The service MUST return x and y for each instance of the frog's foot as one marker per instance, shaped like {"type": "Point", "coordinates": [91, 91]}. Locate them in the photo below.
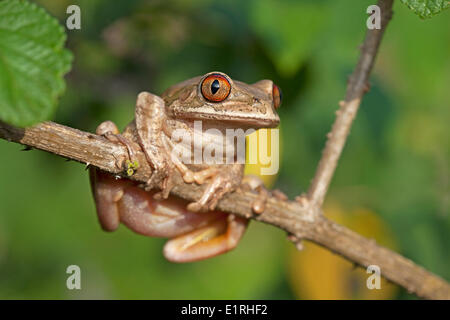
{"type": "Point", "coordinates": [254, 183]}
{"type": "Point", "coordinates": [217, 237]}
{"type": "Point", "coordinates": [199, 177]}
{"type": "Point", "coordinates": [190, 176]}
{"type": "Point", "coordinates": [220, 185]}
{"type": "Point", "coordinates": [109, 130]}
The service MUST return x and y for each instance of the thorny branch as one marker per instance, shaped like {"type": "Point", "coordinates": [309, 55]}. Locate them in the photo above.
{"type": "Point", "coordinates": [358, 84]}
{"type": "Point", "coordinates": [300, 219]}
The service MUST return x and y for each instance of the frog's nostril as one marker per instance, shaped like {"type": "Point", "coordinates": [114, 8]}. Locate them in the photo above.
{"type": "Point", "coordinates": [262, 110]}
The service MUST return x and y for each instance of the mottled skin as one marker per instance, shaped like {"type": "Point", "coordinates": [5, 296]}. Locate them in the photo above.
{"type": "Point", "coordinates": [195, 234]}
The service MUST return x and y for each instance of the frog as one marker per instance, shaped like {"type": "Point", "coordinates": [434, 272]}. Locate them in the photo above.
{"type": "Point", "coordinates": [195, 230]}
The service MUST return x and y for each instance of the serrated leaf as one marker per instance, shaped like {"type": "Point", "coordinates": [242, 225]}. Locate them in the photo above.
{"type": "Point", "coordinates": [427, 8]}
{"type": "Point", "coordinates": [33, 61]}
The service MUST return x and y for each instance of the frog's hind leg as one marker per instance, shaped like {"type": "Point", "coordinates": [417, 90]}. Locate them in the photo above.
{"type": "Point", "coordinates": [107, 192]}
{"type": "Point", "coordinates": [196, 236]}
{"type": "Point", "coordinates": [123, 201]}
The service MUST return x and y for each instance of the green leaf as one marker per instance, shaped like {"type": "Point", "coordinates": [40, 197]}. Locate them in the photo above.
{"type": "Point", "coordinates": [427, 8]}
{"type": "Point", "coordinates": [33, 62]}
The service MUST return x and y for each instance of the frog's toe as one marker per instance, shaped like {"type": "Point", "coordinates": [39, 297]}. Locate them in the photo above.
{"type": "Point", "coordinates": [203, 205]}
{"type": "Point", "coordinates": [106, 127]}
{"type": "Point", "coordinates": [162, 177]}
{"type": "Point", "coordinates": [214, 200]}
{"type": "Point", "coordinates": [199, 177]}
{"type": "Point", "coordinates": [259, 205]}
{"type": "Point", "coordinates": [195, 207]}
{"type": "Point", "coordinates": [254, 183]}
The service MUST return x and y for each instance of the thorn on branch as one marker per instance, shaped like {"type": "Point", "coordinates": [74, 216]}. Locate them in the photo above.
{"type": "Point", "coordinates": [280, 195]}
{"type": "Point", "coordinates": [296, 241]}
{"type": "Point", "coordinates": [302, 200]}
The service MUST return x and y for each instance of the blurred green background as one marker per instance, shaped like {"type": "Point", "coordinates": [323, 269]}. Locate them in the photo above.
{"type": "Point", "coordinates": [392, 183]}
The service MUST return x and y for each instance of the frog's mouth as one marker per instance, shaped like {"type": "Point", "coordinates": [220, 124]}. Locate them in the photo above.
{"type": "Point", "coordinates": [255, 122]}
{"type": "Point", "coordinates": [236, 120]}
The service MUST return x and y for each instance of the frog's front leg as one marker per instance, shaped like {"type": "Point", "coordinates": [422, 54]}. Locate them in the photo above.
{"type": "Point", "coordinates": [195, 236]}
{"type": "Point", "coordinates": [149, 120]}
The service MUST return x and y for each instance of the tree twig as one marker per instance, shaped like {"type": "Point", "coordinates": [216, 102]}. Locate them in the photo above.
{"type": "Point", "coordinates": [299, 219]}
{"type": "Point", "coordinates": [357, 86]}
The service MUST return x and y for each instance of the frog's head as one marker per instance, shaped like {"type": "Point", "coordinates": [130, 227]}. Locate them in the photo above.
{"type": "Point", "coordinates": [216, 97]}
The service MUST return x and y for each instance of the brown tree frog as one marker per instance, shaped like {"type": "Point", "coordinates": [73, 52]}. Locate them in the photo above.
{"type": "Point", "coordinates": [219, 104]}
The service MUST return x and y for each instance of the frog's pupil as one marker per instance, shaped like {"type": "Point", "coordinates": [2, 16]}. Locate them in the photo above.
{"type": "Point", "coordinates": [215, 86]}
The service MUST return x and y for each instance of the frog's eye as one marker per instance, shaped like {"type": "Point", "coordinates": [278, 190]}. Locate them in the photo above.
{"type": "Point", "coordinates": [215, 88]}
{"type": "Point", "coordinates": [277, 95]}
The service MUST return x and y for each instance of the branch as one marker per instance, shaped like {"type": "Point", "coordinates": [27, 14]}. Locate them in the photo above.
{"type": "Point", "coordinates": [300, 219]}
{"type": "Point", "coordinates": [357, 86]}
{"type": "Point", "coordinates": [290, 216]}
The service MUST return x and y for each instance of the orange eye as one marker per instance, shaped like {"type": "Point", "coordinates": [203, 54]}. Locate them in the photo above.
{"type": "Point", "coordinates": [277, 95]}
{"type": "Point", "coordinates": [215, 88]}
